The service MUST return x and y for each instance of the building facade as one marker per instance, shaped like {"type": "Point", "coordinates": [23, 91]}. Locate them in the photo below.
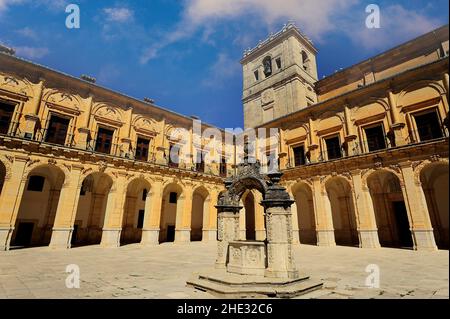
{"type": "Point", "coordinates": [364, 153]}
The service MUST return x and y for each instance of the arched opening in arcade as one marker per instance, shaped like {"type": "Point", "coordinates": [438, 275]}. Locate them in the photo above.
{"type": "Point", "coordinates": [38, 205]}
{"type": "Point", "coordinates": [90, 216]}
{"type": "Point", "coordinates": [343, 212]}
{"type": "Point", "coordinates": [137, 205]}
{"type": "Point", "coordinates": [391, 214]}
{"type": "Point", "coordinates": [305, 213]}
{"type": "Point", "coordinates": [434, 178]}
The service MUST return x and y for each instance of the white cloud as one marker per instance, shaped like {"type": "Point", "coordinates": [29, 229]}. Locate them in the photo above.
{"type": "Point", "coordinates": [120, 15]}
{"type": "Point", "coordinates": [221, 71]}
{"type": "Point", "coordinates": [316, 18]}
{"type": "Point", "coordinates": [28, 33]}
{"type": "Point", "coordinates": [397, 25]}
{"type": "Point", "coordinates": [31, 52]}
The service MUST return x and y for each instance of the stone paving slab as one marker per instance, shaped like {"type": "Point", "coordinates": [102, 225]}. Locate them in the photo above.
{"type": "Point", "coordinates": [161, 272]}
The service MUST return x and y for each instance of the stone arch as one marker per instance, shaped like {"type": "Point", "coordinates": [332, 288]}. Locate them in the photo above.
{"type": "Point", "coordinates": [42, 184]}
{"type": "Point", "coordinates": [96, 187]}
{"type": "Point", "coordinates": [434, 179]}
{"type": "Point", "coordinates": [303, 196]}
{"type": "Point", "coordinates": [248, 216]}
{"type": "Point", "coordinates": [200, 212]}
{"type": "Point", "coordinates": [17, 84]}
{"type": "Point", "coordinates": [391, 215]}
{"type": "Point", "coordinates": [171, 210]}
{"type": "Point", "coordinates": [369, 172]}
{"type": "Point", "coordinates": [418, 86]}
{"type": "Point", "coordinates": [137, 205]}
{"type": "Point", "coordinates": [5, 173]}
{"type": "Point", "coordinates": [340, 203]}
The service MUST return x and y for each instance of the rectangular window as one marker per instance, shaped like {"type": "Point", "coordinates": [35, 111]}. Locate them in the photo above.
{"type": "Point", "coordinates": [140, 223]}
{"type": "Point", "coordinates": [103, 143]}
{"type": "Point", "coordinates": [333, 147]}
{"type": "Point", "coordinates": [256, 75]}
{"type": "Point", "coordinates": [223, 167]}
{"type": "Point", "coordinates": [299, 156]}
{"type": "Point", "coordinates": [173, 198]}
{"type": "Point", "coordinates": [142, 147]}
{"type": "Point", "coordinates": [174, 155]}
{"type": "Point", "coordinates": [36, 184]}
{"type": "Point", "coordinates": [6, 114]}
{"type": "Point", "coordinates": [200, 164]}
{"type": "Point", "coordinates": [278, 61]}
{"type": "Point", "coordinates": [57, 130]}
{"type": "Point", "coordinates": [428, 126]}
{"type": "Point", "coordinates": [375, 138]}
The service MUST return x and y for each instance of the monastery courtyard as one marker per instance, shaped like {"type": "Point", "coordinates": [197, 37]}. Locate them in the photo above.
{"type": "Point", "coordinates": [161, 272]}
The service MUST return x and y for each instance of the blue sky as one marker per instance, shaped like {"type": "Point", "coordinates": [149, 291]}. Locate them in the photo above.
{"type": "Point", "coordinates": [185, 54]}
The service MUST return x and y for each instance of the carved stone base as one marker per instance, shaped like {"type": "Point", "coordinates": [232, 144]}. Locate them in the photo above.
{"type": "Point", "coordinates": [231, 286]}
{"type": "Point", "coordinates": [5, 237]}
{"type": "Point", "coordinates": [61, 238]}
{"type": "Point", "coordinates": [247, 258]}
{"type": "Point", "coordinates": [424, 240]}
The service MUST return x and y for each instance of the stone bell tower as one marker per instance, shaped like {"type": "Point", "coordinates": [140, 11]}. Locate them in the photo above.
{"type": "Point", "coordinates": [279, 76]}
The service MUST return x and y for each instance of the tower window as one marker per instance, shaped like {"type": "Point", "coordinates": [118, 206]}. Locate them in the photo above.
{"type": "Point", "coordinates": [267, 63]}
{"type": "Point", "coordinates": [305, 61]}
{"type": "Point", "coordinates": [257, 75]}
{"type": "Point", "coordinates": [278, 61]}
{"type": "Point", "coordinates": [36, 184]}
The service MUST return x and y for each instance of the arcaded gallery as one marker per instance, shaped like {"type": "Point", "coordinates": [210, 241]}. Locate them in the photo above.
{"type": "Point", "coordinates": [364, 153]}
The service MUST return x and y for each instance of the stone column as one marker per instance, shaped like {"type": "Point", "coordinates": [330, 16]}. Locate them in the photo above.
{"type": "Point", "coordinates": [397, 126]}
{"type": "Point", "coordinates": [33, 118]}
{"type": "Point", "coordinates": [67, 209]}
{"type": "Point", "coordinates": [10, 199]}
{"type": "Point", "coordinates": [351, 137]}
{"type": "Point", "coordinates": [295, 225]}
{"type": "Point", "coordinates": [183, 218]}
{"type": "Point", "coordinates": [242, 223]}
{"type": "Point", "coordinates": [324, 219]}
{"type": "Point", "coordinates": [367, 224]}
{"type": "Point", "coordinates": [115, 209]}
{"type": "Point", "coordinates": [227, 230]}
{"type": "Point", "coordinates": [210, 229]}
{"type": "Point", "coordinates": [420, 223]}
{"type": "Point", "coordinates": [126, 140]}
{"type": "Point", "coordinates": [313, 144]}
{"type": "Point", "coordinates": [152, 220]}
{"type": "Point", "coordinates": [280, 260]}
{"type": "Point", "coordinates": [83, 131]}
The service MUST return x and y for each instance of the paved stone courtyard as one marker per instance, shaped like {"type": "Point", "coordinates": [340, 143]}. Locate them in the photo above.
{"type": "Point", "coordinates": [161, 272]}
